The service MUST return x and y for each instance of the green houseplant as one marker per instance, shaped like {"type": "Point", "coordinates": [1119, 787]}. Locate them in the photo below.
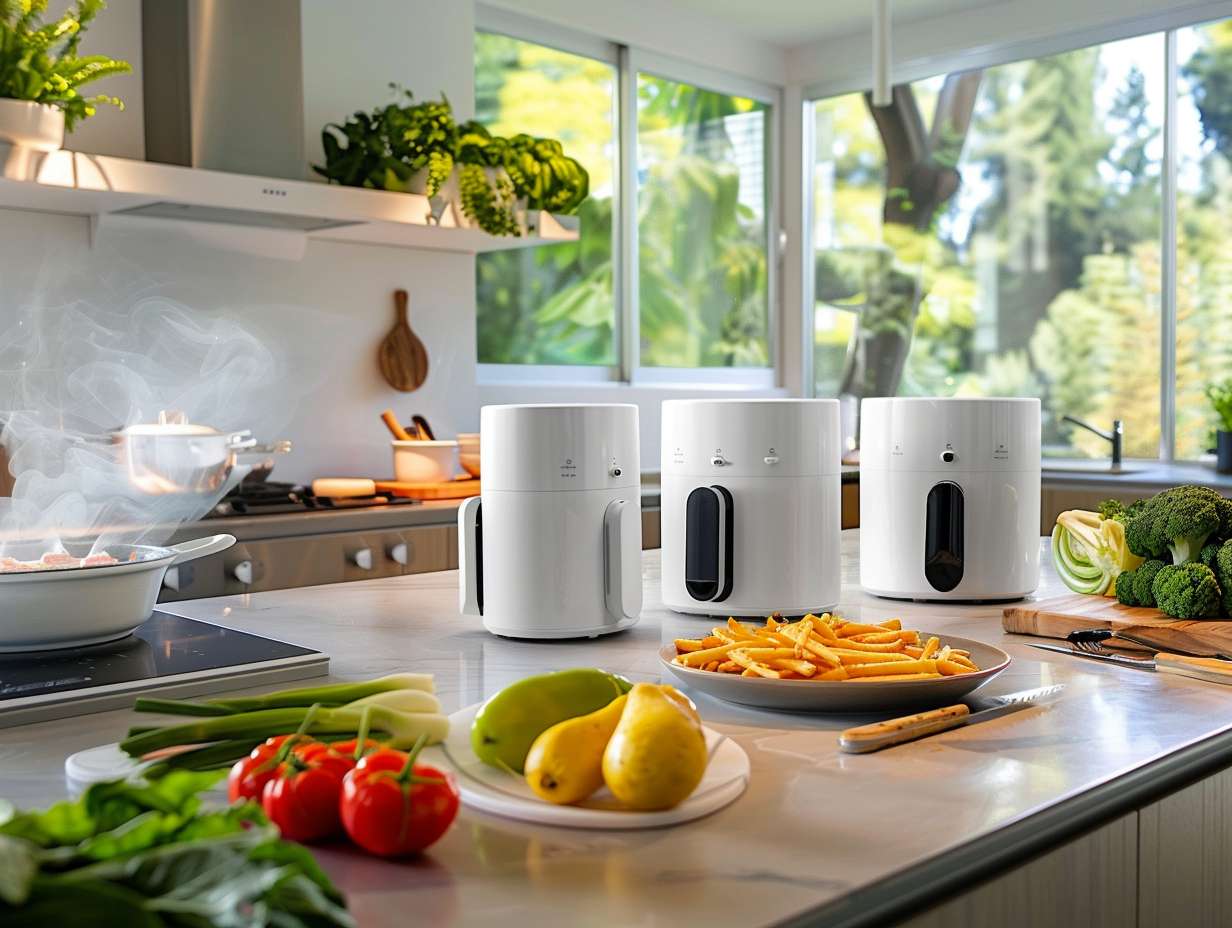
{"type": "Point", "coordinates": [1220, 395]}
{"type": "Point", "coordinates": [403, 146]}
{"type": "Point", "coordinates": [41, 73]}
{"type": "Point", "coordinates": [500, 178]}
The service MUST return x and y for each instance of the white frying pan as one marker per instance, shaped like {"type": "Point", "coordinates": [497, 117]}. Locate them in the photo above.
{"type": "Point", "coordinates": [45, 609]}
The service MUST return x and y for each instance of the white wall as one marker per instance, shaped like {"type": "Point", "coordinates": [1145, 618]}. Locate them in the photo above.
{"type": "Point", "coordinates": [323, 316]}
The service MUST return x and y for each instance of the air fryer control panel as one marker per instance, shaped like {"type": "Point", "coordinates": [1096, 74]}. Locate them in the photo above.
{"type": "Point", "coordinates": [750, 438]}
{"type": "Point", "coordinates": [956, 435]}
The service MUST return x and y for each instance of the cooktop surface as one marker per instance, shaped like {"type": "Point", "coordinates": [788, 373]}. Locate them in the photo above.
{"type": "Point", "coordinates": [168, 652]}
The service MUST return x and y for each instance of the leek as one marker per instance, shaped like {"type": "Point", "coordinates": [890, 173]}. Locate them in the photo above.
{"type": "Point", "coordinates": [402, 728]}
{"type": "Point", "coordinates": [331, 694]}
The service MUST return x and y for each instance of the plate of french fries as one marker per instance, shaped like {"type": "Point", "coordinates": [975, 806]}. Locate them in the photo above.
{"type": "Point", "coordinates": [825, 663]}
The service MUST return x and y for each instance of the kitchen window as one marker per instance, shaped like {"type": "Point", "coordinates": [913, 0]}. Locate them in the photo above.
{"type": "Point", "coordinates": [670, 281]}
{"type": "Point", "coordinates": [997, 232]}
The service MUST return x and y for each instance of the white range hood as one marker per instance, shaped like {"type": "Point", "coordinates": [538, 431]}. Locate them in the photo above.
{"type": "Point", "coordinates": [215, 204]}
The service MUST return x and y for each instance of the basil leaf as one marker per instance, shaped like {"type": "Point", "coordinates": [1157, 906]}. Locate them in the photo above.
{"type": "Point", "coordinates": [101, 905]}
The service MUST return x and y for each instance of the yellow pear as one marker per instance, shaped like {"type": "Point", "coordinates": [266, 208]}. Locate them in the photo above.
{"type": "Point", "coordinates": [565, 763]}
{"type": "Point", "coordinates": [657, 754]}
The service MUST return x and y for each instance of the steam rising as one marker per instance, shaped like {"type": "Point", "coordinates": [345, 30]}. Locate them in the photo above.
{"type": "Point", "coordinates": [71, 376]}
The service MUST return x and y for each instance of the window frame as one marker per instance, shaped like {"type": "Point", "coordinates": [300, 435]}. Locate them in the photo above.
{"type": "Point", "coordinates": [1165, 24]}
{"type": "Point", "coordinates": [629, 62]}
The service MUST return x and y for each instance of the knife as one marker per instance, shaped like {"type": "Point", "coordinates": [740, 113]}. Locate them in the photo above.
{"type": "Point", "coordinates": [866, 738]}
{"type": "Point", "coordinates": [1210, 669]}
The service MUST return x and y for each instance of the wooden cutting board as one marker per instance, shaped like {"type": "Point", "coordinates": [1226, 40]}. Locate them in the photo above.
{"type": "Point", "coordinates": [458, 488]}
{"type": "Point", "coordinates": [1060, 615]}
{"type": "Point", "coordinates": [402, 357]}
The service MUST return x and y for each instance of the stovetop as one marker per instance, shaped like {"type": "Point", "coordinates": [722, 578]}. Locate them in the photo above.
{"type": "Point", "coordinates": [270, 497]}
{"type": "Point", "coordinates": [168, 653]}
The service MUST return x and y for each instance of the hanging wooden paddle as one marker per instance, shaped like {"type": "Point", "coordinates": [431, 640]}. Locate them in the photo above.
{"type": "Point", "coordinates": [402, 356]}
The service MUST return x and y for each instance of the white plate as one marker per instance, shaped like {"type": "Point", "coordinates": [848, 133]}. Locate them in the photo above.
{"type": "Point", "coordinates": [839, 696]}
{"type": "Point", "coordinates": [500, 793]}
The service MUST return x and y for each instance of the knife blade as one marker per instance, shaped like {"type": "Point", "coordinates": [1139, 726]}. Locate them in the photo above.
{"type": "Point", "coordinates": [864, 739]}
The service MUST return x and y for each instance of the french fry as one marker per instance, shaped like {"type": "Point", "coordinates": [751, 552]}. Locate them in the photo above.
{"type": "Point", "coordinates": [698, 658]}
{"type": "Point", "coordinates": [755, 667]}
{"type": "Point", "coordinates": [856, 628]}
{"type": "Point", "coordinates": [822, 647]}
{"type": "Point", "coordinates": [870, 657]}
{"type": "Point", "coordinates": [803, 668]}
{"type": "Point", "coordinates": [893, 667]}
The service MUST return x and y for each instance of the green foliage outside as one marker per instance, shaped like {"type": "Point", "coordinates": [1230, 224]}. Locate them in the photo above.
{"type": "Point", "coordinates": [1041, 277]}
{"type": "Point", "coordinates": [701, 260]}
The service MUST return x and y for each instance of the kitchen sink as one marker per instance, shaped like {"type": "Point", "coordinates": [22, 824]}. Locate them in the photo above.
{"type": "Point", "coordinates": [1088, 466]}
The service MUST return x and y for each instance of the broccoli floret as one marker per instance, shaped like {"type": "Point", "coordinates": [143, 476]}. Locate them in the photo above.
{"type": "Point", "coordinates": [1187, 591]}
{"type": "Point", "coordinates": [1207, 554]}
{"type": "Point", "coordinates": [1125, 593]}
{"type": "Point", "coordinates": [1111, 509]}
{"type": "Point", "coordinates": [1115, 509]}
{"type": "Point", "coordinates": [1144, 578]}
{"type": "Point", "coordinates": [1179, 521]}
{"type": "Point", "coordinates": [1223, 574]}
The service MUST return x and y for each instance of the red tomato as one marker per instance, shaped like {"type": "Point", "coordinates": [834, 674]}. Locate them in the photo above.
{"type": "Point", "coordinates": [302, 798]}
{"type": "Point", "coordinates": [250, 774]}
{"type": "Point", "coordinates": [347, 748]}
{"type": "Point", "coordinates": [392, 806]}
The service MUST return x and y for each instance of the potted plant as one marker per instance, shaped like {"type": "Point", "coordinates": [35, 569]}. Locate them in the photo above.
{"type": "Point", "coordinates": [41, 75]}
{"type": "Point", "coordinates": [1220, 395]}
{"type": "Point", "coordinates": [405, 146]}
{"type": "Point", "coordinates": [504, 183]}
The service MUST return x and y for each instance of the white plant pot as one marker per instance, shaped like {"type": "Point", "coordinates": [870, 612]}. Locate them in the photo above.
{"type": "Point", "coordinates": [28, 131]}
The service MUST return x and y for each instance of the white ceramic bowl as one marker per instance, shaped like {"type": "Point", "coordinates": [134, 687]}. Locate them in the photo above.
{"type": "Point", "coordinates": [425, 461]}
{"type": "Point", "coordinates": [468, 452]}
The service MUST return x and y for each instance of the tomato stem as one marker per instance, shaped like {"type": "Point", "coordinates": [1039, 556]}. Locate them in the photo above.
{"type": "Point", "coordinates": [284, 750]}
{"type": "Point", "coordinates": [361, 743]}
{"type": "Point", "coordinates": [408, 768]}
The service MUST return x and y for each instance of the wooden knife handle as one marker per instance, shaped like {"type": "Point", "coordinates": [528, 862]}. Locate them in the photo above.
{"type": "Point", "coordinates": [874, 737]}
{"type": "Point", "coordinates": [1210, 669]}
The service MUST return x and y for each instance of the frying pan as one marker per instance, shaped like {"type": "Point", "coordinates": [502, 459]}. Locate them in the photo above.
{"type": "Point", "coordinates": [47, 609]}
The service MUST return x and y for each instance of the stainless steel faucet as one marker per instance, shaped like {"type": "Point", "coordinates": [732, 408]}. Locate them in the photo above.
{"type": "Point", "coordinates": [1115, 436]}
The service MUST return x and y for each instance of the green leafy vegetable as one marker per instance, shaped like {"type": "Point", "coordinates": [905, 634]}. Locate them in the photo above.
{"type": "Point", "coordinates": [1179, 521]}
{"type": "Point", "coordinates": [1187, 591]}
{"type": "Point", "coordinates": [1090, 552]}
{"type": "Point", "coordinates": [145, 854]}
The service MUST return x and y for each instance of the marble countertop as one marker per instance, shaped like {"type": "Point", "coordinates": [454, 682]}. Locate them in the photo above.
{"type": "Point", "coordinates": [819, 837]}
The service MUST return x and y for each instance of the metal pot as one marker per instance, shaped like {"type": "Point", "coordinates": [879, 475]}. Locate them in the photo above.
{"type": "Point", "coordinates": [46, 609]}
{"type": "Point", "coordinates": [174, 456]}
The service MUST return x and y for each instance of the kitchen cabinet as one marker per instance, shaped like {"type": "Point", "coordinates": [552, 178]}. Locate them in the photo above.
{"type": "Point", "coordinates": [1085, 883]}
{"type": "Point", "coordinates": [1184, 856]}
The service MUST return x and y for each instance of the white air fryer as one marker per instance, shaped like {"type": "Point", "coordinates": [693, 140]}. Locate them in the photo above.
{"type": "Point", "coordinates": [751, 506]}
{"type": "Point", "coordinates": [553, 546]}
{"type": "Point", "coordinates": [950, 498]}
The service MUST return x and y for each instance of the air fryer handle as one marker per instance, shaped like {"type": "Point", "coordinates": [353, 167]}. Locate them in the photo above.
{"type": "Point", "coordinates": [470, 557]}
{"type": "Point", "coordinates": [622, 559]}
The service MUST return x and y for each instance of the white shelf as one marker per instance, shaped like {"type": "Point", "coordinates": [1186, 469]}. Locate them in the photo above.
{"type": "Point", "coordinates": [135, 191]}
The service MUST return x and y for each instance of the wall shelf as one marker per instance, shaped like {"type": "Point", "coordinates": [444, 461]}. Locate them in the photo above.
{"type": "Point", "coordinates": [107, 189]}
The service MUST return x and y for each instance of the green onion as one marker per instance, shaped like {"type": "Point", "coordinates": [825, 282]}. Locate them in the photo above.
{"type": "Point", "coordinates": [177, 707]}
{"type": "Point", "coordinates": [331, 694]}
{"type": "Point", "coordinates": [403, 727]}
